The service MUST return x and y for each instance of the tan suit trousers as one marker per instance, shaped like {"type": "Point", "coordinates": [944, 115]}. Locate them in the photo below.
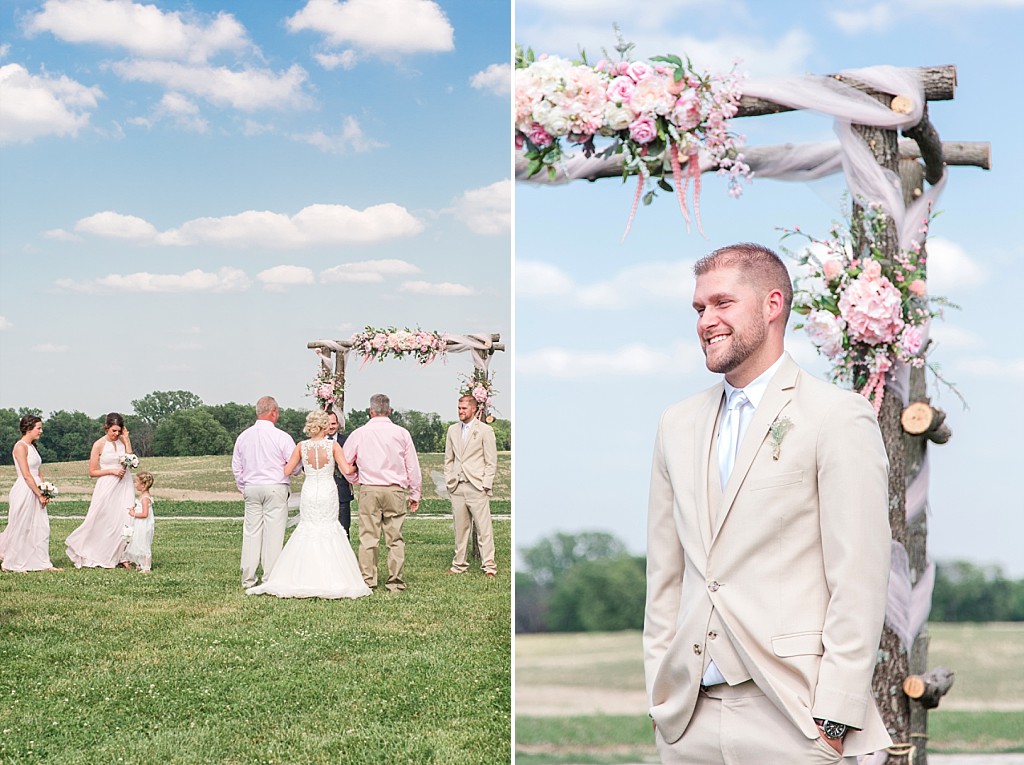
{"type": "Point", "coordinates": [469, 506]}
{"type": "Point", "coordinates": [738, 725]}
{"type": "Point", "coordinates": [382, 509]}
{"type": "Point", "coordinates": [266, 515]}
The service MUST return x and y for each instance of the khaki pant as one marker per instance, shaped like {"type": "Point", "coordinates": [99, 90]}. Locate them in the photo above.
{"type": "Point", "coordinates": [469, 506]}
{"type": "Point", "coordinates": [266, 514]}
{"type": "Point", "coordinates": [738, 725]}
{"type": "Point", "coordinates": [382, 509]}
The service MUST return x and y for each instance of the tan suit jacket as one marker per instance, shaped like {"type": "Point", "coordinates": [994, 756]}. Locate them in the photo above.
{"type": "Point", "coordinates": [476, 459]}
{"type": "Point", "coordinates": [792, 565]}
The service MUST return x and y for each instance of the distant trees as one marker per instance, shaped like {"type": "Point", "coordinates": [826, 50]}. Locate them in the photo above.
{"type": "Point", "coordinates": [178, 423]}
{"type": "Point", "coordinates": [967, 592]}
{"type": "Point", "coordinates": [580, 583]}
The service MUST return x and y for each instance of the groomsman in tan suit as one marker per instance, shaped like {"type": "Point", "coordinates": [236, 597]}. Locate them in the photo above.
{"type": "Point", "coordinates": [470, 461]}
{"type": "Point", "coordinates": [768, 544]}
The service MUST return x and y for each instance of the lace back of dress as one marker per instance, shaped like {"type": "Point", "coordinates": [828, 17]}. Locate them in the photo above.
{"type": "Point", "coordinates": [318, 455]}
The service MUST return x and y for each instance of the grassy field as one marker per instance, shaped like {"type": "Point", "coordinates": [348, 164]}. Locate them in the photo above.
{"type": "Point", "coordinates": [179, 666]}
{"type": "Point", "coordinates": [202, 478]}
{"type": "Point", "coordinates": [580, 697]}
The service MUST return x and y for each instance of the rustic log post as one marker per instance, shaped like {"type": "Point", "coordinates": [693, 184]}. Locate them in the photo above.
{"type": "Point", "coordinates": [928, 689]}
{"type": "Point", "coordinates": [892, 667]}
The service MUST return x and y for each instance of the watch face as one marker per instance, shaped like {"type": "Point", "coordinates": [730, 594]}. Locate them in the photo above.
{"type": "Point", "coordinates": [833, 730]}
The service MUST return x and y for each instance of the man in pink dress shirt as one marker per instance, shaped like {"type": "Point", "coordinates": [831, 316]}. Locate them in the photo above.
{"type": "Point", "coordinates": [258, 461]}
{"type": "Point", "coordinates": [388, 474]}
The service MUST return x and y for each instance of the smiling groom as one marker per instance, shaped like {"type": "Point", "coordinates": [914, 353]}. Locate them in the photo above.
{"type": "Point", "coordinates": [768, 544]}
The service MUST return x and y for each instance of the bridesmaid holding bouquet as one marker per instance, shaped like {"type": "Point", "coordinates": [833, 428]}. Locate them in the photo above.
{"type": "Point", "coordinates": [25, 543]}
{"type": "Point", "coordinates": [99, 542]}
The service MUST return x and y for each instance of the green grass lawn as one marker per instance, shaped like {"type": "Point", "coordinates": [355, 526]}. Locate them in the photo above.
{"type": "Point", "coordinates": [183, 475]}
{"type": "Point", "coordinates": [179, 666]}
{"type": "Point", "coordinates": [984, 712]}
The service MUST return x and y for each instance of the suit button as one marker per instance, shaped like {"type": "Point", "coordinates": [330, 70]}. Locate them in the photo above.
{"type": "Point", "coordinates": [697, 648]}
{"type": "Point", "coordinates": [713, 586]}
{"type": "Point", "coordinates": [712, 635]}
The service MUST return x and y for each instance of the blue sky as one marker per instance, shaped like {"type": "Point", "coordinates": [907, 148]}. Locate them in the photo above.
{"type": "Point", "coordinates": [605, 333]}
{"type": "Point", "coordinates": [192, 191]}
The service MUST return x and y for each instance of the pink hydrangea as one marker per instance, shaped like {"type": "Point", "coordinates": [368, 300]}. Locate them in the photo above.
{"type": "Point", "coordinates": [872, 307]}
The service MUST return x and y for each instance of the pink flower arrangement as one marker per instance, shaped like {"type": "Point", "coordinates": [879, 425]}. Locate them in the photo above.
{"type": "Point", "coordinates": [479, 385]}
{"type": "Point", "coordinates": [379, 344]}
{"type": "Point", "coordinates": [866, 313]}
{"type": "Point", "coordinates": [324, 388]}
{"type": "Point", "coordinates": [660, 115]}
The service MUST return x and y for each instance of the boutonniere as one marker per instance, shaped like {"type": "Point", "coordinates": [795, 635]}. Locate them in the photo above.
{"type": "Point", "coordinates": [778, 431]}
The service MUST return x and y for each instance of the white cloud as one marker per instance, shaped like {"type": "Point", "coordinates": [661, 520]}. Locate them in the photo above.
{"type": "Point", "coordinates": [225, 280]}
{"type": "Point", "coordinates": [36, 105]}
{"type": "Point", "coordinates": [443, 289]}
{"type": "Point", "coordinates": [951, 269]}
{"type": "Point", "coordinates": [1006, 370]}
{"type": "Point", "coordinates": [61, 235]}
{"type": "Point", "coordinates": [4, 50]}
{"type": "Point", "coordinates": [497, 78]}
{"type": "Point", "coordinates": [351, 138]}
{"type": "Point", "coordinates": [948, 335]}
{"type": "Point", "coordinates": [366, 271]}
{"type": "Point", "coordinates": [276, 279]}
{"type": "Point", "coordinates": [50, 348]}
{"type": "Point", "coordinates": [487, 210]}
{"type": "Point", "coordinates": [249, 89]}
{"type": "Point", "coordinates": [5, 323]}
{"type": "Point", "coordinates": [178, 108]}
{"type": "Point", "coordinates": [117, 226]}
{"type": "Point", "coordinates": [316, 225]}
{"type": "Point", "coordinates": [633, 360]}
{"type": "Point", "coordinates": [876, 18]}
{"type": "Point", "coordinates": [330, 61]}
{"type": "Point", "coordinates": [633, 286]}
{"type": "Point", "coordinates": [143, 30]}
{"type": "Point", "coordinates": [378, 26]}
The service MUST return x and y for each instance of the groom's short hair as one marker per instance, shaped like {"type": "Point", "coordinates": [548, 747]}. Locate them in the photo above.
{"type": "Point", "coordinates": [759, 265]}
{"type": "Point", "coordinates": [379, 404]}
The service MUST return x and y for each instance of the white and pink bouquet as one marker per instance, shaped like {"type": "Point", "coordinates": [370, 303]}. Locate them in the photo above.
{"type": "Point", "coordinates": [661, 115]}
{"type": "Point", "coordinates": [379, 344]}
{"type": "Point", "coordinates": [48, 490]}
{"type": "Point", "coordinates": [130, 461]}
{"type": "Point", "coordinates": [325, 388]}
{"type": "Point", "coordinates": [126, 532]}
{"type": "Point", "coordinates": [479, 385]}
{"type": "Point", "coordinates": [864, 312]}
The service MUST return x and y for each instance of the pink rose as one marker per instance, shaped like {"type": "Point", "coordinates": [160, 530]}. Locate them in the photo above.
{"type": "Point", "coordinates": [620, 89]}
{"type": "Point", "coordinates": [918, 287]}
{"type": "Point", "coordinates": [685, 114]}
{"type": "Point", "coordinates": [911, 339]}
{"type": "Point", "coordinates": [539, 136]}
{"type": "Point", "coordinates": [832, 268]}
{"type": "Point", "coordinates": [873, 269]}
{"type": "Point", "coordinates": [643, 130]}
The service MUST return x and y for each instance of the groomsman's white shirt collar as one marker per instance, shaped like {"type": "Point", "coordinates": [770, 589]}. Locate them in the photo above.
{"type": "Point", "coordinates": [466, 427]}
{"type": "Point", "coordinates": [755, 389]}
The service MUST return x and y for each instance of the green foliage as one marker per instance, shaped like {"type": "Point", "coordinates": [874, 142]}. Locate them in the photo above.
{"type": "Point", "coordinates": [599, 596]}
{"type": "Point", "coordinates": [579, 583]}
{"type": "Point", "coordinates": [68, 436]}
{"type": "Point", "coordinates": [159, 404]}
{"type": "Point", "coordinates": [292, 421]}
{"type": "Point", "coordinates": [10, 431]}
{"type": "Point", "coordinates": [967, 592]}
{"type": "Point", "coordinates": [190, 432]}
{"type": "Point", "coordinates": [427, 429]}
{"type": "Point", "coordinates": [233, 417]}
{"type": "Point", "coordinates": [503, 434]}
{"type": "Point", "coordinates": [181, 666]}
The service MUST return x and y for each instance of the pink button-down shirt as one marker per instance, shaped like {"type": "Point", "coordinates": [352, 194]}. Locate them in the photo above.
{"type": "Point", "coordinates": [384, 455]}
{"type": "Point", "coordinates": [260, 454]}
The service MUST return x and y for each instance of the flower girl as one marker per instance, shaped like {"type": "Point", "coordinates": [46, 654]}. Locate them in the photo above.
{"type": "Point", "coordinates": [140, 548]}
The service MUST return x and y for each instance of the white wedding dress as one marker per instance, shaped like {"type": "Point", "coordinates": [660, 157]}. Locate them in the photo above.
{"type": "Point", "coordinates": [317, 561]}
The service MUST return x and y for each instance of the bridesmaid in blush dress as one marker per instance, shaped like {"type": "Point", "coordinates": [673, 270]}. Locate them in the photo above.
{"type": "Point", "coordinates": [25, 543]}
{"type": "Point", "coordinates": [98, 542]}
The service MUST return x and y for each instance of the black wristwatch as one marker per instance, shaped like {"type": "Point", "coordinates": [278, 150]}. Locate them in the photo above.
{"type": "Point", "coordinates": [829, 729]}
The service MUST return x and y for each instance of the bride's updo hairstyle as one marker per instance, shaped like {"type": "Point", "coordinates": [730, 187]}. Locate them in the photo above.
{"type": "Point", "coordinates": [316, 422]}
{"type": "Point", "coordinates": [28, 422]}
{"type": "Point", "coordinates": [113, 419]}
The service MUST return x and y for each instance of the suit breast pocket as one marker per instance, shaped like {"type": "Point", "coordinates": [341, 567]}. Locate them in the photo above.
{"type": "Point", "coordinates": [774, 481]}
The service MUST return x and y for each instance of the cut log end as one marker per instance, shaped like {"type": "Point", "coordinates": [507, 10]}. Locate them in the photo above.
{"type": "Point", "coordinates": [902, 105]}
{"type": "Point", "coordinates": [929, 688]}
{"type": "Point", "coordinates": [922, 419]}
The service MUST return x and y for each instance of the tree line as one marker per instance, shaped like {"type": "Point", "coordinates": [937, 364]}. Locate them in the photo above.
{"type": "Point", "coordinates": [179, 424]}
{"type": "Point", "coordinates": [589, 582]}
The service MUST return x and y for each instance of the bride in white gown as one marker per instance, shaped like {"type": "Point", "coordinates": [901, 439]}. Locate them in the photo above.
{"type": "Point", "coordinates": [317, 561]}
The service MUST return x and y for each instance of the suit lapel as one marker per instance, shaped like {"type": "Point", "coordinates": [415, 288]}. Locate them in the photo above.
{"type": "Point", "coordinates": [704, 436]}
{"type": "Point", "coordinates": [776, 397]}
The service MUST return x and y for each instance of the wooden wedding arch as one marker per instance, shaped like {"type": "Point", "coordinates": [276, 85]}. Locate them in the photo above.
{"type": "Point", "coordinates": [904, 687]}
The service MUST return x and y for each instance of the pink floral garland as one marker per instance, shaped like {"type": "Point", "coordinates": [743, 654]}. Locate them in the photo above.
{"type": "Point", "coordinates": [379, 344]}
{"type": "Point", "coordinates": [658, 114]}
